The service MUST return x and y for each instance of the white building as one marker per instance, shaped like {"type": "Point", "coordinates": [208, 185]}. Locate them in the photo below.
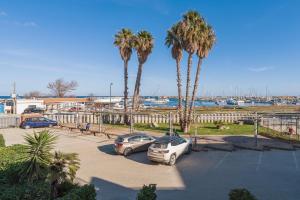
{"type": "Point", "coordinates": [22, 104]}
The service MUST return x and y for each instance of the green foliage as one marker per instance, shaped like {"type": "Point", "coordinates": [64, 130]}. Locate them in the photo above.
{"type": "Point", "coordinates": [11, 159]}
{"type": "Point", "coordinates": [65, 165]}
{"type": "Point", "coordinates": [86, 192]}
{"type": "Point", "coordinates": [25, 191]}
{"type": "Point", "coordinates": [38, 150]}
{"type": "Point", "coordinates": [241, 194]}
{"type": "Point", "coordinates": [15, 186]}
{"type": "Point", "coordinates": [147, 192]}
{"type": "Point", "coordinates": [2, 141]}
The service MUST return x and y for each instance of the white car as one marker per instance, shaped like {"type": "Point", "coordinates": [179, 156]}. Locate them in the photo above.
{"type": "Point", "coordinates": [168, 148]}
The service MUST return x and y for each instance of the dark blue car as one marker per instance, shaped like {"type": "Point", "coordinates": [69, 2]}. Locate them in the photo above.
{"type": "Point", "coordinates": [37, 122]}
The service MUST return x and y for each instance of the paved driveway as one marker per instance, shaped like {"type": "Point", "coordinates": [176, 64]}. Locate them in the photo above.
{"type": "Point", "coordinates": [270, 175]}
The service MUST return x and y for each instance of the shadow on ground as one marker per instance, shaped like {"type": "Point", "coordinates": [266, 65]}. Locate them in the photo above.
{"type": "Point", "coordinates": [108, 149]}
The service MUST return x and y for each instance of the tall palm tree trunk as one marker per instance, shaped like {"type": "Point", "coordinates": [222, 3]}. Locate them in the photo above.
{"type": "Point", "coordinates": [179, 85]}
{"type": "Point", "coordinates": [188, 80]}
{"type": "Point", "coordinates": [196, 84]}
{"type": "Point", "coordinates": [126, 91]}
{"type": "Point", "coordinates": [137, 87]}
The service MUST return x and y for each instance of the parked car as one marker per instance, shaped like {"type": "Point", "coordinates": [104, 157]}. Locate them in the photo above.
{"type": "Point", "coordinates": [33, 110]}
{"type": "Point", "coordinates": [130, 143]}
{"type": "Point", "coordinates": [168, 148]}
{"type": "Point", "coordinates": [37, 122]}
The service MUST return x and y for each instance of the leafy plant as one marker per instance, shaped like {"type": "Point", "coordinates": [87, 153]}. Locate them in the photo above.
{"type": "Point", "coordinates": [86, 192]}
{"type": "Point", "coordinates": [38, 149]}
{"type": "Point", "coordinates": [63, 168]}
{"type": "Point", "coordinates": [241, 194]}
{"type": "Point", "coordinates": [147, 192]}
{"type": "Point", "coordinates": [218, 124]}
{"type": "Point", "coordinates": [2, 141]}
{"type": "Point", "coordinates": [15, 159]}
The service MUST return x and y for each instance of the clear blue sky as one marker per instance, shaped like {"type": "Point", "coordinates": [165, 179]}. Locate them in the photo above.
{"type": "Point", "coordinates": [258, 45]}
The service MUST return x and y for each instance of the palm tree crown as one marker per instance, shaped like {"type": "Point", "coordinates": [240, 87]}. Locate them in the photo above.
{"type": "Point", "coordinates": [123, 40]}
{"type": "Point", "coordinates": [174, 39]}
{"type": "Point", "coordinates": [143, 43]}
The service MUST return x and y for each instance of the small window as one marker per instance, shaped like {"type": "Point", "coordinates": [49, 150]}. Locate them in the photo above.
{"type": "Point", "coordinates": [135, 139]}
{"type": "Point", "coordinates": [174, 142]}
{"type": "Point", "coordinates": [181, 140]}
{"type": "Point", "coordinates": [42, 119]}
{"type": "Point", "coordinates": [34, 119]}
{"type": "Point", "coordinates": [146, 138]}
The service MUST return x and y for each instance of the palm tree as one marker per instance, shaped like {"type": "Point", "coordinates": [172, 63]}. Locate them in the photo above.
{"type": "Point", "coordinates": [63, 168]}
{"type": "Point", "coordinates": [205, 43]}
{"type": "Point", "coordinates": [38, 150]}
{"type": "Point", "coordinates": [174, 39]}
{"type": "Point", "coordinates": [143, 44]}
{"type": "Point", "coordinates": [189, 30]}
{"type": "Point", "coordinates": [123, 40]}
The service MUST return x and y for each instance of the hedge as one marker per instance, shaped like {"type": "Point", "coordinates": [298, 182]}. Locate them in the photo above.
{"type": "Point", "coordinates": [2, 141]}
{"type": "Point", "coordinates": [11, 188]}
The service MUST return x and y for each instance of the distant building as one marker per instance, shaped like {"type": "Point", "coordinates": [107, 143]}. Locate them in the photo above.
{"type": "Point", "coordinates": [21, 105]}
{"type": "Point", "coordinates": [64, 103]}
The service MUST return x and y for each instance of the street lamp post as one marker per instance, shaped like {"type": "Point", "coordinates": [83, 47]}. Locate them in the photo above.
{"type": "Point", "coordinates": [110, 102]}
{"type": "Point", "coordinates": [110, 95]}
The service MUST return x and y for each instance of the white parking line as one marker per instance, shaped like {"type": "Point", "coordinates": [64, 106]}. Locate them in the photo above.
{"type": "Point", "coordinates": [222, 160]}
{"type": "Point", "coordinates": [259, 161]}
{"type": "Point", "coordinates": [295, 160]}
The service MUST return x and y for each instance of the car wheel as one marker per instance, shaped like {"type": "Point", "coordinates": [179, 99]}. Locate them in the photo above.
{"type": "Point", "coordinates": [27, 127]}
{"type": "Point", "coordinates": [127, 152]}
{"type": "Point", "coordinates": [172, 160]}
{"type": "Point", "coordinates": [189, 150]}
{"type": "Point", "coordinates": [50, 125]}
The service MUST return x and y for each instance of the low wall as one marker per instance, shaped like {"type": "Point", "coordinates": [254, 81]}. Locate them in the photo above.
{"type": "Point", "coordinates": [118, 118]}
{"type": "Point", "coordinates": [7, 121]}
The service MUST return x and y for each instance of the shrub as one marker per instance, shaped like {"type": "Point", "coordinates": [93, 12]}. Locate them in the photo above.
{"type": "Point", "coordinates": [241, 194]}
{"type": "Point", "coordinates": [147, 192]}
{"type": "Point", "coordinates": [2, 141]}
{"type": "Point", "coordinates": [37, 191]}
{"type": "Point", "coordinates": [86, 192]}
{"type": "Point", "coordinates": [12, 159]}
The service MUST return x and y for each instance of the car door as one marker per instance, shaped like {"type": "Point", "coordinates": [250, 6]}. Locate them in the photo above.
{"type": "Point", "coordinates": [175, 147]}
{"type": "Point", "coordinates": [33, 122]}
{"type": "Point", "coordinates": [146, 141]}
{"type": "Point", "coordinates": [135, 143]}
{"type": "Point", "coordinates": [42, 122]}
{"type": "Point", "coordinates": [182, 145]}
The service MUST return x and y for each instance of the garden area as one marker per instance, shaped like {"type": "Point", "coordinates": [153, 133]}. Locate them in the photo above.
{"type": "Point", "coordinates": [199, 129]}
{"type": "Point", "coordinates": [32, 172]}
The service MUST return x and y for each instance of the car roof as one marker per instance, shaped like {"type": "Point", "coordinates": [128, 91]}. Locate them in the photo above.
{"type": "Point", "coordinates": [167, 139]}
{"type": "Point", "coordinates": [132, 135]}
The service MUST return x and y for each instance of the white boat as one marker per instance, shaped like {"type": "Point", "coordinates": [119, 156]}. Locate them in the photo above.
{"type": "Point", "coordinates": [108, 100]}
{"type": "Point", "coordinates": [240, 103]}
{"type": "Point", "coordinates": [157, 100]}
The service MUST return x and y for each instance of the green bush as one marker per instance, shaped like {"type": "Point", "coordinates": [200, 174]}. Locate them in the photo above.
{"type": "Point", "coordinates": [36, 191]}
{"type": "Point", "coordinates": [147, 192]}
{"type": "Point", "coordinates": [86, 192]}
{"type": "Point", "coordinates": [2, 141]}
{"type": "Point", "coordinates": [11, 188]}
{"type": "Point", "coordinates": [241, 194]}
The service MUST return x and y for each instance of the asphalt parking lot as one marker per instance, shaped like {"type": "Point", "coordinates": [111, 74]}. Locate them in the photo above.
{"type": "Point", "coordinates": [269, 175]}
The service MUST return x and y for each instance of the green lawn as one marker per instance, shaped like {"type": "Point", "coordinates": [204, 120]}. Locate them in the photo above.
{"type": "Point", "coordinates": [278, 135]}
{"type": "Point", "coordinates": [200, 129]}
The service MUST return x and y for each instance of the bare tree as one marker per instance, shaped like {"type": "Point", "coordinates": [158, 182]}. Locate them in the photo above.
{"type": "Point", "coordinates": [32, 94]}
{"type": "Point", "coordinates": [60, 87]}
